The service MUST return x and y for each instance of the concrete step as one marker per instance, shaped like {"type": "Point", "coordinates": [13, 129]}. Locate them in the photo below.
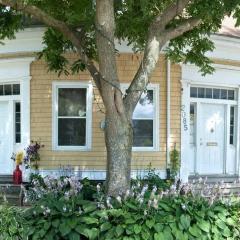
{"type": "Point", "coordinates": [11, 193]}
{"type": "Point", "coordinates": [214, 178]}
{"type": "Point", "coordinates": [6, 179]}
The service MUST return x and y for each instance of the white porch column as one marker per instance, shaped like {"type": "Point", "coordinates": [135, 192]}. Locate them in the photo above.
{"type": "Point", "coordinates": [185, 109]}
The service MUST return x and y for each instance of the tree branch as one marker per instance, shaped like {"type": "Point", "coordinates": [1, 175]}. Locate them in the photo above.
{"type": "Point", "coordinates": [169, 13]}
{"type": "Point", "coordinates": [185, 26]}
{"type": "Point", "coordinates": [157, 37]}
{"type": "Point", "coordinates": [60, 26]}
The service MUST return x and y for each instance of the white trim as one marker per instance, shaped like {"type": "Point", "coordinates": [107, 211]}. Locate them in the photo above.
{"type": "Point", "coordinates": [55, 86]}
{"type": "Point", "coordinates": [155, 87]}
{"type": "Point", "coordinates": [100, 174]}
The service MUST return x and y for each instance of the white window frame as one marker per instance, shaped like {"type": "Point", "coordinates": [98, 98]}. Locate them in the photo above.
{"type": "Point", "coordinates": [55, 87]}
{"type": "Point", "coordinates": [156, 130]}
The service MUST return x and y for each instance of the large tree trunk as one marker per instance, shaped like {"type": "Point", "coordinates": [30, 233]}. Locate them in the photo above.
{"type": "Point", "coordinates": [118, 131]}
{"type": "Point", "coordinates": [118, 137]}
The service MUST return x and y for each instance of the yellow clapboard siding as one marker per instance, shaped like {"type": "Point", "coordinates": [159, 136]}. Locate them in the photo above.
{"type": "Point", "coordinates": [41, 115]}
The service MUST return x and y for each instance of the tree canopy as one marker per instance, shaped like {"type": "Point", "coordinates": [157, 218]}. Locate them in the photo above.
{"type": "Point", "coordinates": [133, 19]}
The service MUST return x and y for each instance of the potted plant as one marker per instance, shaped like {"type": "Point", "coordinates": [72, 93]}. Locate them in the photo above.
{"type": "Point", "coordinates": [17, 174]}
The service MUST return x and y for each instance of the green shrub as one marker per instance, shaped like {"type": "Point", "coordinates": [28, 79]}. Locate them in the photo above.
{"type": "Point", "coordinates": [11, 223]}
{"type": "Point", "coordinates": [140, 214]}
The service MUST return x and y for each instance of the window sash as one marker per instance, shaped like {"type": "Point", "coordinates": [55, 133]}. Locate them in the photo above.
{"type": "Point", "coordinates": [87, 117]}
{"type": "Point", "coordinates": [154, 118]}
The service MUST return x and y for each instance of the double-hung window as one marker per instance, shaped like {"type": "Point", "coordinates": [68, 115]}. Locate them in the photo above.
{"type": "Point", "coordinates": [145, 120]}
{"type": "Point", "coordinates": [72, 116]}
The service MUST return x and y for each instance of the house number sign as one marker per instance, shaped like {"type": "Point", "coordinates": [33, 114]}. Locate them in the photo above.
{"type": "Point", "coordinates": [184, 118]}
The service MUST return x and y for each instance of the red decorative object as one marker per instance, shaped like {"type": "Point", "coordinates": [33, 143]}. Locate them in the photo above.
{"type": "Point", "coordinates": [17, 175]}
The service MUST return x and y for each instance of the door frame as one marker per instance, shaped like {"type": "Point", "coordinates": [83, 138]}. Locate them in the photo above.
{"type": "Point", "coordinates": [17, 70]}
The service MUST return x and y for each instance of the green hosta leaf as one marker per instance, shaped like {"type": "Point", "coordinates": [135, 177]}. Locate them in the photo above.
{"type": "Point", "coordinates": [221, 224]}
{"type": "Point", "coordinates": [64, 229]}
{"type": "Point", "coordinates": [119, 230]}
{"type": "Point", "coordinates": [88, 220]}
{"type": "Point", "coordinates": [158, 227]}
{"type": "Point", "coordinates": [204, 225]}
{"type": "Point", "coordinates": [56, 223]}
{"type": "Point", "coordinates": [74, 236]}
{"type": "Point", "coordinates": [185, 221]}
{"type": "Point", "coordinates": [105, 226]}
{"type": "Point", "coordinates": [145, 235]}
{"type": "Point", "coordinates": [89, 207]}
{"type": "Point", "coordinates": [137, 229]}
{"type": "Point", "coordinates": [230, 221]}
{"type": "Point", "coordinates": [195, 231]}
{"type": "Point", "coordinates": [150, 223]}
{"type": "Point", "coordinates": [164, 206]}
{"type": "Point", "coordinates": [159, 236]}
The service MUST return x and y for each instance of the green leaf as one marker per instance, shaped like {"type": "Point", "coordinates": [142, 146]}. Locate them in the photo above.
{"type": "Point", "coordinates": [119, 230]}
{"type": "Point", "coordinates": [137, 228]}
{"type": "Point", "coordinates": [185, 221]}
{"type": "Point", "coordinates": [204, 226]}
{"type": "Point", "coordinates": [150, 223]}
{"type": "Point", "coordinates": [195, 231]}
{"type": "Point", "coordinates": [158, 227]}
{"type": "Point", "coordinates": [105, 226]}
{"type": "Point", "coordinates": [89, 207]}
{"type": "Point", "coordinates": [64, 229]}
{"type": "Point", "coordinates": [74, 236]}
{"type": "Point", "coordinates": [88, 220]}
{"type": "Point", "coordinates": [56, 223]}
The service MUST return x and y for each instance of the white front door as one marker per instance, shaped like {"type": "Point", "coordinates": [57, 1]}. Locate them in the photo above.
{"type": "Point", "coordinates": [211, 144]}
{"type": "Point", "coordinates": [6, 164]}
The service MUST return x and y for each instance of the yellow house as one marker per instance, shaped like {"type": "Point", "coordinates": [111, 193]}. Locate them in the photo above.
{"type": "Point", "coordinates": [198, 115]}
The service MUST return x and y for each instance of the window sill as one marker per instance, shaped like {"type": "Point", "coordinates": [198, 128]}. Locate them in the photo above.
{"type": "Point", "coordinates": [71, 149]}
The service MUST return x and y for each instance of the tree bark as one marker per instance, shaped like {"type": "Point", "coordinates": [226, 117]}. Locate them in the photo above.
{"type": "Point", "coordinates": [118, 138]}
{"type": "Point", "coordinates": [118, 131]}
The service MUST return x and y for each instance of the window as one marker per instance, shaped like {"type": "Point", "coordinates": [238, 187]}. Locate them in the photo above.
{"type": "Point", "coordinates": [145, 120]}
{"type": "Point", "coordinates": [9, 89]}
{"type": "Point", "coordinates": [232, 120]}
{"type": "Point", "coordinates": [192, 124]}
{"type": "Point", "coordinates": [212, 93]}
{"type": "Point", "coordinates": [17, 122]}
{"type": "Point", "coordinates": [72, 116]}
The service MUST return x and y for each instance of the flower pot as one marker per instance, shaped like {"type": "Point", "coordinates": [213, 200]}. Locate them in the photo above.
{"type": "Point", "coordinates": [17, 175]}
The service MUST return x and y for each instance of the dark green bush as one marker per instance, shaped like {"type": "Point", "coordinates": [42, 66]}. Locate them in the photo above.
{"type": "Point", "coordinates": [11, 223]}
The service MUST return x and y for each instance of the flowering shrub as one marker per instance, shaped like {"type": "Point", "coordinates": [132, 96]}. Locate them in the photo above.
{"type": "Point", "coordinates": [192, 211]}
{"type": "Point", "coordinates": [32, 156]}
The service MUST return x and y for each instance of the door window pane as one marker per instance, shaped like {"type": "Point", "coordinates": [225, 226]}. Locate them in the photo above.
{"type": "Point", "coordinates": [209, 93]}
{"type": "Point", "coordinates": [223, 94]}
{"type": "Point", "coordinates": [232, 119]}
{"type": "Point", "coordinates": [1, 90]}
{"type": "Point", "coordinates": [18, 122]}
{"type": "Point", "coordinates": [16, 89]}
{"type": "Point", "coordinates": [192, 123]}
{"type": "Point", "coordinates": [216, 93]}
{"type": "Point", "coordinates": [193, 92]}
{"type": "Point", "coordinates": [201, 92]}
{"type": "Point", "coordinates": [231, 95]}
{"type": "Point", "coordinates": [7, 89]}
